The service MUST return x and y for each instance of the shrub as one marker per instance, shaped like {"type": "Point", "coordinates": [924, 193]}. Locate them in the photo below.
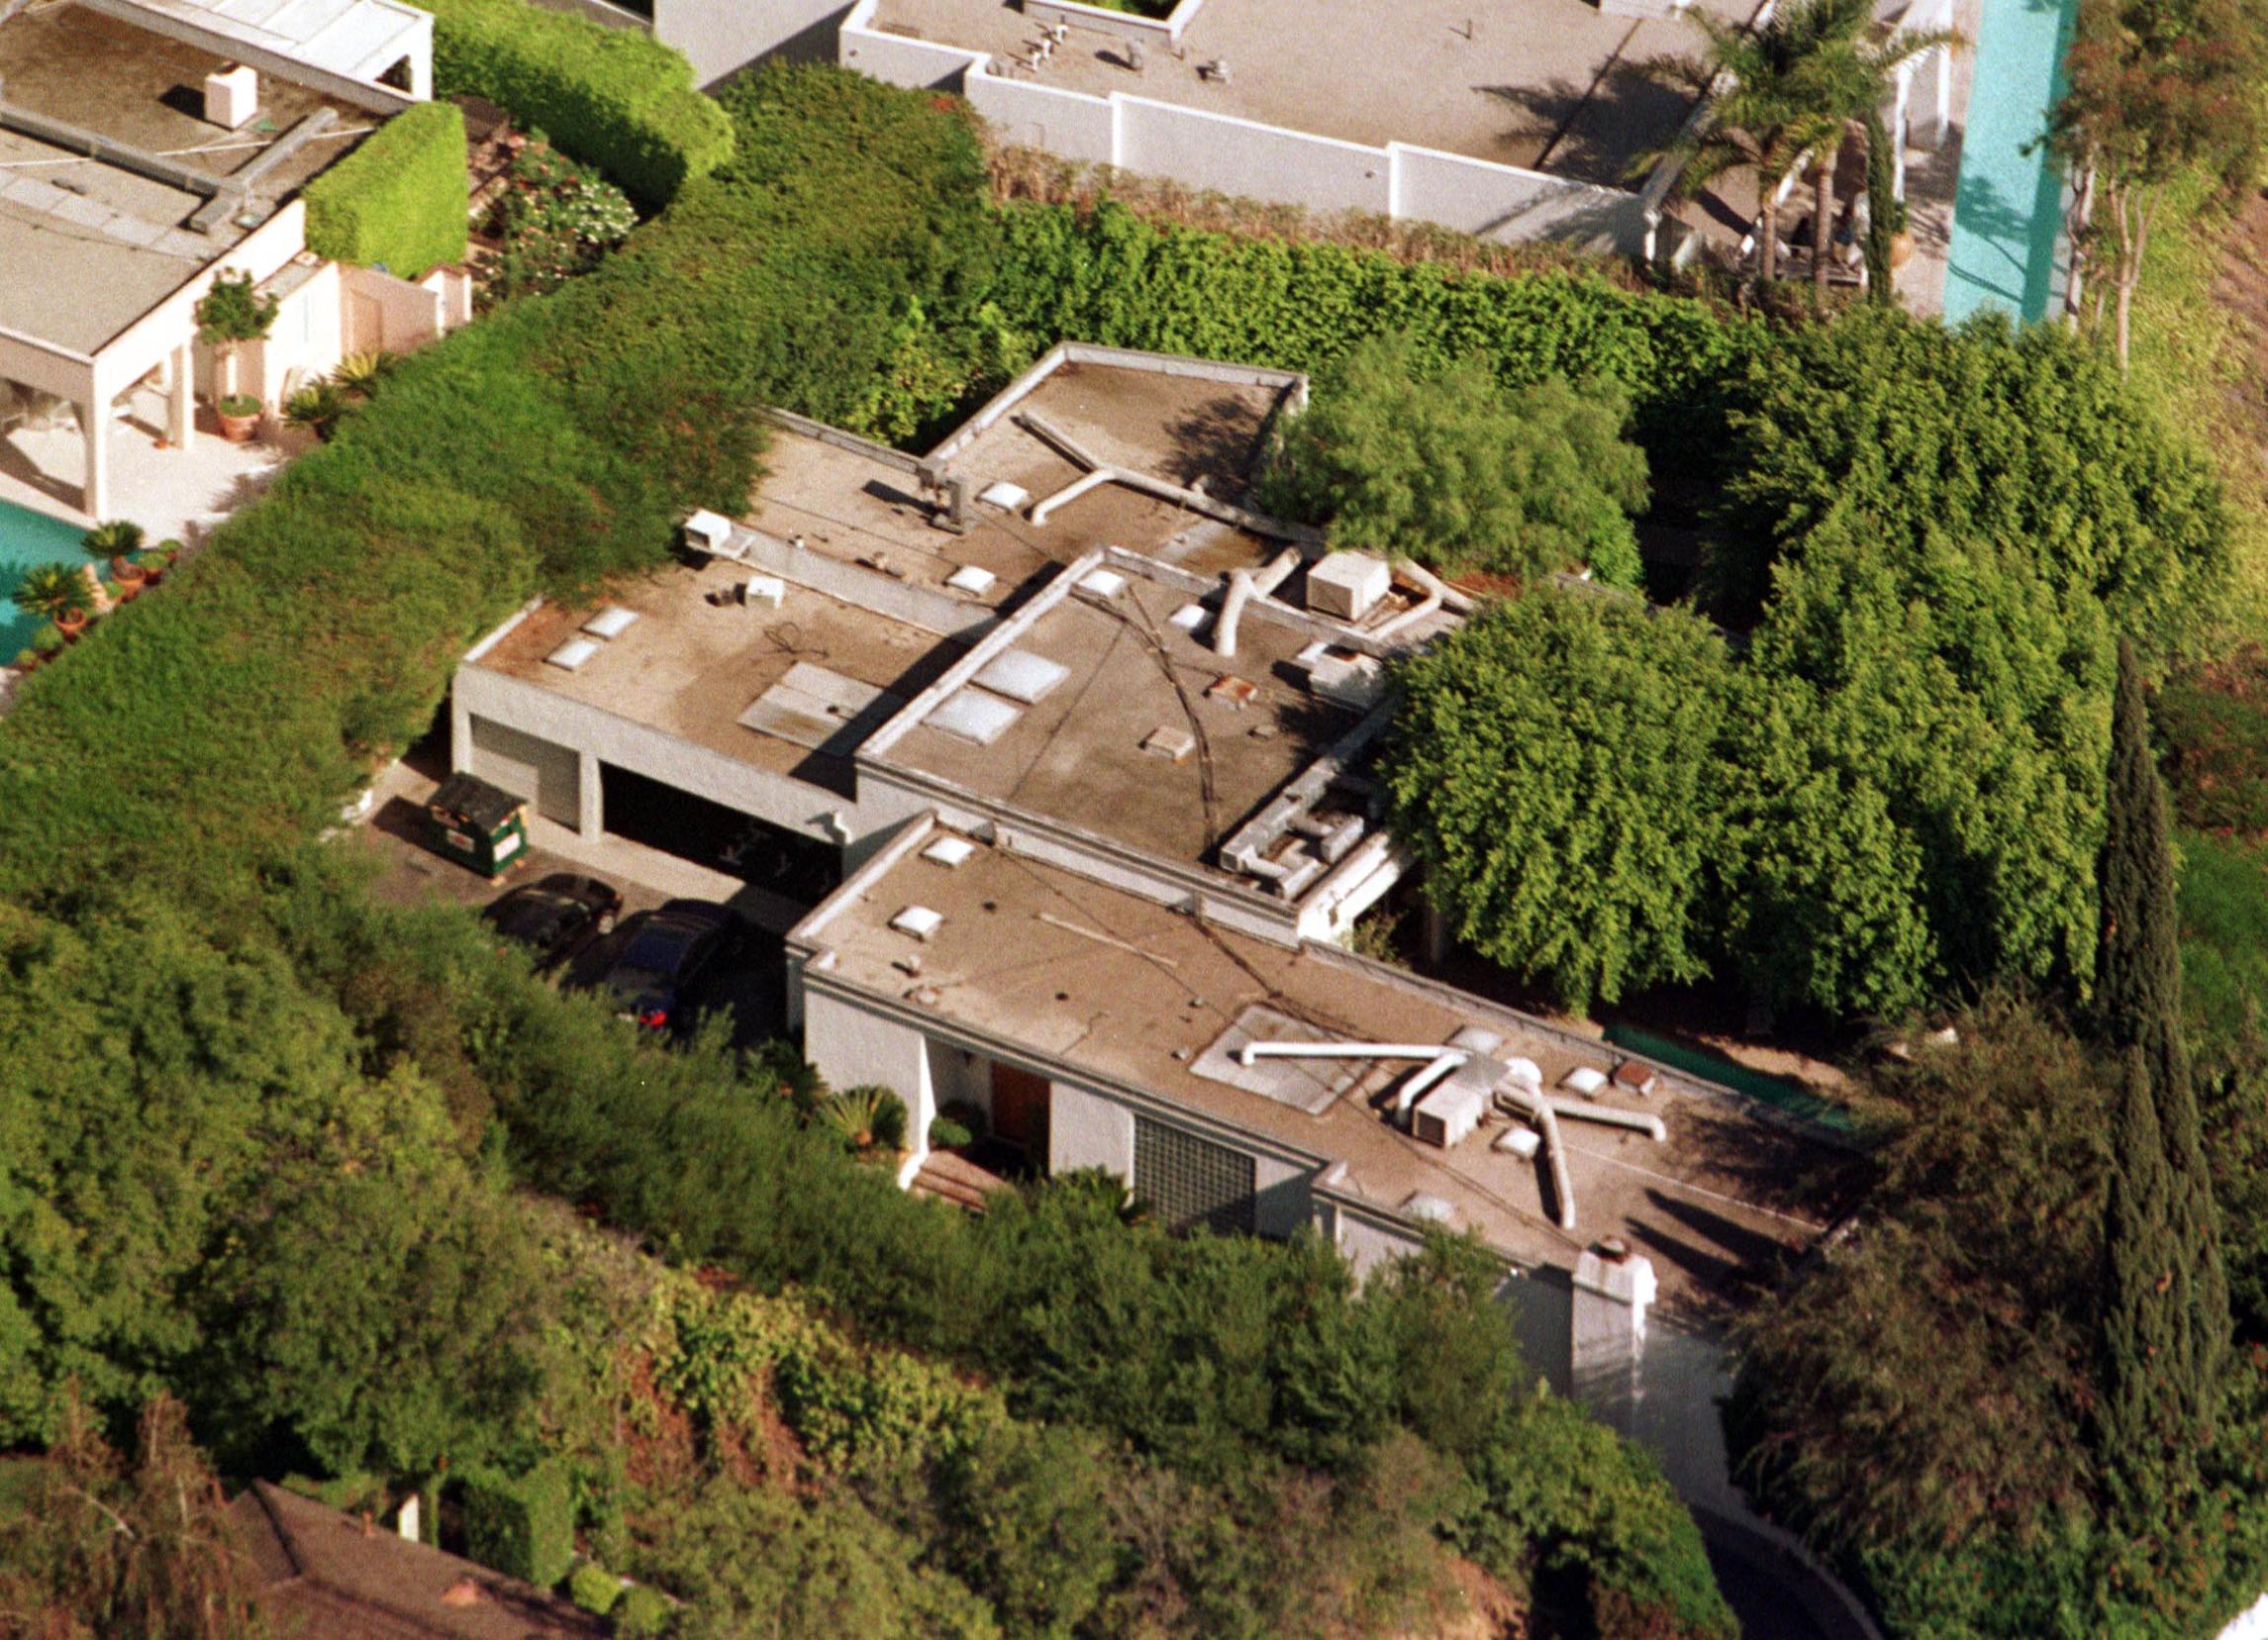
{"type": "Point", "coordinates": [613, 98]}
{"type": "Point", "coordinates": [523, 1526]}
{"type": "Point", "coordinates": [1455, 472]}
{"type": "Point", "coordinates": [556, 219]}
{"type": "Point", "coordinates": [596, 1590]}
{"type": "Point", "coordinates": [644, 1615]}
{"type": "Point", "coordinates": [399, 201]}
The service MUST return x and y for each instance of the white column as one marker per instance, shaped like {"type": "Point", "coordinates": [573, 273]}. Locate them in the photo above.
{"type": "Point", "coordinates": [1901, 127]}
{"type": "Point", "coordinates": [94, 421]}
{"type": "Point", "coordinates": [181, 397]}
{"type": "Point", "coordinates": [590, 799]}
{"type": "Point", "coordinates": [1945, 120]}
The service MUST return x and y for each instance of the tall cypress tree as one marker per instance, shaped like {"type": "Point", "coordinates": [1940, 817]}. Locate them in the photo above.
{"type": "Point", "coordinates": [2166, 1329]}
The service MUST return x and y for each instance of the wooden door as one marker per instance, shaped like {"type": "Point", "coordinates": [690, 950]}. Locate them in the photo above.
{"type": "Point", "coordinates": [1019, 1111]}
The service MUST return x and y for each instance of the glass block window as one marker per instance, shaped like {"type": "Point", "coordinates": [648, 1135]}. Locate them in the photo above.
{"type": "Point", "coordinates": [1189, 1181]}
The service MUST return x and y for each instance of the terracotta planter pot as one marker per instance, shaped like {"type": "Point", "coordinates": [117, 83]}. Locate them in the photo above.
{"type": "Point", "coordinates": [70, 623]}
{"type": "Point", "coordinates": [1901, 249]}
{"type": "Point", "coordinates": [239, 430]}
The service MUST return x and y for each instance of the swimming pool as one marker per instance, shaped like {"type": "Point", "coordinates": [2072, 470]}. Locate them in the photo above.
{"type": "Point", "coordinates": [27, 538]}
{"type": "Point", "coordinates": [2007, 211]}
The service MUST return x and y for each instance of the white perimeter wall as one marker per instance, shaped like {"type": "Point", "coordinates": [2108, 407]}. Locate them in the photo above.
{"type": "Point", "coordinates": [1252, 161]}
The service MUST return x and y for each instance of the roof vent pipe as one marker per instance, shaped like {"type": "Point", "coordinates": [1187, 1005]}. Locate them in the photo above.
{"type": "Point", "coordinates": [1243, 586]}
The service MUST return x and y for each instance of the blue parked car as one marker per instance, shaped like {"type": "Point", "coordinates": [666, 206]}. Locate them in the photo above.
{"type": "Point", "coordinates": [666, 955]}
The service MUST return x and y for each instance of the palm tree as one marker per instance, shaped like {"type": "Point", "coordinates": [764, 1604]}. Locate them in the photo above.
{"type": "Point", "coordinates": [51, 590]}
{"type": "Point", "coordinates": [1859, 75]}
{"type": "Point", "coordinates": [1777, 93]}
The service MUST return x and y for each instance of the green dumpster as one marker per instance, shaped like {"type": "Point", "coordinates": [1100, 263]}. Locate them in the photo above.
{"type": "Point", "coordinates": [480, 826]}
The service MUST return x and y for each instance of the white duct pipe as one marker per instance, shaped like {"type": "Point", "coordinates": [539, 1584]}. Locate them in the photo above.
{"type": "Point", "coordinates": [1538, 1110]}
{"type": "Point", "coordinates": [1416, 1089]}
{"type": "Point", "coordinates": [1240, 590]}
{"type": "Point", "coordinates": [1344, 1050]}
{"type": "Point", "coordinates": [1437, 593]}
{"type": "Point", "coordinates": [1245, 585]}
{"type": "Point", "coordinates": [1071, 492]}
{"type": "Point", "coordinates": [1638, 1122]}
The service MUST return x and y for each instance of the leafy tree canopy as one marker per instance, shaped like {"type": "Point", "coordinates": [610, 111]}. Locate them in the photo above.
{"type": "Point", "coordinates": [2012, 436]}
{"type": "Point", "coordinates": [1459, 473]}
{"type": "Point", "coordinates": [1554, 766]}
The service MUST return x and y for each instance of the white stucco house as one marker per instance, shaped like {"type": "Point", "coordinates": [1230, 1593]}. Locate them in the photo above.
{"type": "Point", "coordinates": [148, 147]}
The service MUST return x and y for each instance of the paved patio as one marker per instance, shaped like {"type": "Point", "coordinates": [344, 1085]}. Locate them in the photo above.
{"type": "Point", "coordinates": [172, 493]}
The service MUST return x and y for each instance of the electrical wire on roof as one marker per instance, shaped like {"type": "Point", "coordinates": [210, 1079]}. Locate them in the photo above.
{"type": "Point", "coordinates": [182, 154]}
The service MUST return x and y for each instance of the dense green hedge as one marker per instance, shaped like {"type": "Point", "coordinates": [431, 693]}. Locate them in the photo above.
{"type": "Point", "coordinates": [399, 201]}
{"type": "Point", "coordinates": [614, 98]}
{"type": "Point", "coordinates": [1109, 276]}
{"type": "Point", "coordinates": [521, 1525]}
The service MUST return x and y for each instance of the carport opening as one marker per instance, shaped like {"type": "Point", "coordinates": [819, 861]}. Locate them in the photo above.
{"type": "Point", "coordinates": [710, 834]}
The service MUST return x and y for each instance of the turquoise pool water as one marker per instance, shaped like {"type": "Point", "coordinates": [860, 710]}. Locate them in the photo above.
{"type": "Point", "coordinates": [2009, 208]}
{"type": "Point", "coordinates": [27, 538]}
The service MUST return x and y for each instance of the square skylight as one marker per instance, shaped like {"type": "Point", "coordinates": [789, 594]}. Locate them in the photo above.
{"type": "Point", "coordinates": [1022, 675]}
{"type": "Point", "coordinates": [571, 654]}
{"type": "Point", "coordinates": [918, 921]}
{"type": "Point", "coordinates": [611, 621]}
{"type": "Point", "coordinates": [950, 851]}
{"type": "Point", "coordinates": [1188, 618]}
{"type": "Point", "coordinates": [1004, 495]}
{"type": "Point", "coordinates": [975, 715]}
{"type": "Point", "coordinates": [1103, 583]}
{"type": "Point", "coordinates": [971, 579]}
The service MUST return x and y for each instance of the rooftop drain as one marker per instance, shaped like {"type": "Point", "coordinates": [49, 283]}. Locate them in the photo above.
{"type": "Point", "coordinates": [570, 655]}
{"type": "Point", "coordinates": [918, 921]}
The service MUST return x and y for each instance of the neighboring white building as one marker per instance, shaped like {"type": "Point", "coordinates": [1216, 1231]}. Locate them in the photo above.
{"type": "Point", "coordinates": [147, 146]}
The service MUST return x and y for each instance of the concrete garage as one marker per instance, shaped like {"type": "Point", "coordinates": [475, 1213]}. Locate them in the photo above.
{"type": "Point", "coordinates": [547, 775]}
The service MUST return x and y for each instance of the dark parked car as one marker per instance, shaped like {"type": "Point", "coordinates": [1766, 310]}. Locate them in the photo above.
{"type": "Point", "coordinates": [667, 954]}
{"type": "Point", "coordinates": [556, 916]}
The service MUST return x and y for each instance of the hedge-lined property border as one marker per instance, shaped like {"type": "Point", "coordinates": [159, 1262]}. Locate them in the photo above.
{"type": "Point", "coordinates": [399, 201]}
{"type": "Point", "coordinates": [611, 98]}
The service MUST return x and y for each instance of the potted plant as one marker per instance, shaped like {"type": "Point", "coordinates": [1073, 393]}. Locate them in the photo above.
{"type": "Point", "coordinates": [317, 408]}
{"type": "Point", "coordinates": [118, 541]}
{"type": "Point", "coordinates": [230, 315]}
{"type": "Point", "coordinates": [58, 592]}
{"type": "Point", "coordinates": [1901, 237]}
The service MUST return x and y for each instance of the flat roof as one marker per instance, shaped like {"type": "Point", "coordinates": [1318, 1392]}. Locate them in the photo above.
{"type": "Point", "coordinates": [1549, 85]}
{"type": "Point", "coordinates": [696, 663]}
{"type": "Point", "coordinates": [1130, 671]}
{"type": "Point", "coordinates": [859, 504]}
{"type": "Point", "coordinates": [354, 39]}
{"type": "Point", "coordinates": [1100, 981]}
{"type": "Point", "coordinates": [88, 246]}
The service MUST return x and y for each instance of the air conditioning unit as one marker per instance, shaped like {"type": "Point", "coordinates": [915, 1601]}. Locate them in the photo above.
{"type": "Point", "coordinates": [231, 96]}
{"type": "Point", "coordinates": [707, 531]}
